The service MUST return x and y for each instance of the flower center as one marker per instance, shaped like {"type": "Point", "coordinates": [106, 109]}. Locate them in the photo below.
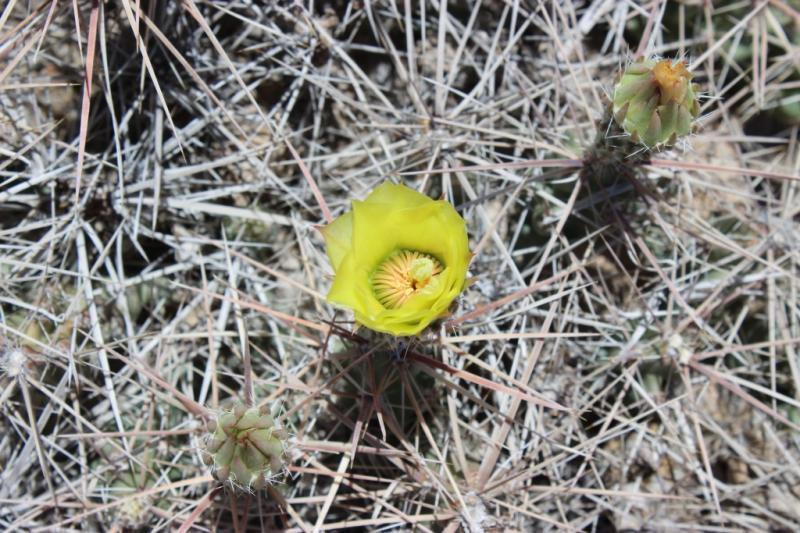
{"type": "Point", "coordinates": [401, 275]}
{"type": "Point", "coordinates": [672, 80]}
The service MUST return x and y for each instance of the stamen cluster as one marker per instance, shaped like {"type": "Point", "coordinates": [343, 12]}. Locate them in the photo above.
{"type": "Point", "coordinates": [403, 274]}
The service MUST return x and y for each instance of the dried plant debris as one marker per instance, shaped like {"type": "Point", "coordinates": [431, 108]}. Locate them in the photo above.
{"type": "Point", "coordinates": [622, 355]}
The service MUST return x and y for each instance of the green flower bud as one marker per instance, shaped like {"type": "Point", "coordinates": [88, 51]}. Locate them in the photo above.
{"type": "Point", "coordinates": [656, 102]}
{"type": "Point", "coordinates": [225, 453]}
{"type": "Point", "coordinates": [245, 447]}
{"type": "Point", "coordinates": [249, 418]}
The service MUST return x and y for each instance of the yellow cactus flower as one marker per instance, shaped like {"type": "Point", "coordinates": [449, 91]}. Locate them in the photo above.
{"type": "Point", "coordinates": [400, 258]}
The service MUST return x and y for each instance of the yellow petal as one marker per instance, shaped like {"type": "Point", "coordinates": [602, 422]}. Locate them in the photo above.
{"type": "Point", "coordinates": [397, 196]}
{"type": "Point", "coordinates": [351, 288]}
{"type": "Point", "coordinates": [338, 237]}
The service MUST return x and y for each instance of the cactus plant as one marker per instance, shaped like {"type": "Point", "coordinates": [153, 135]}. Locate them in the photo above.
{"type": "Point", "coordinates": [246, 447]}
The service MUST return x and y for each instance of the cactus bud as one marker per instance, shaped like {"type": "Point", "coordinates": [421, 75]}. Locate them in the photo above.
{"type": "Point", "coordinates": [656, 101]}
{"type": "Point", "coordinates": [245, 447]}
